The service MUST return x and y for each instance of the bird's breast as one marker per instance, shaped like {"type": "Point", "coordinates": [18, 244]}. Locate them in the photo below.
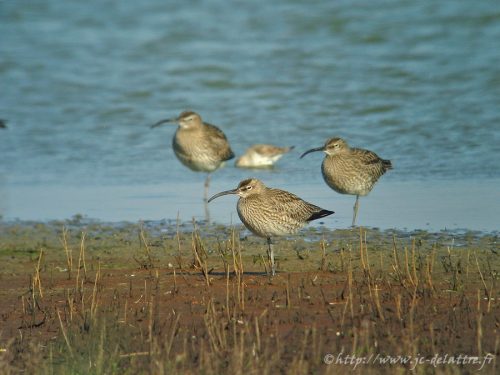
{"type": "Point", "coordinates": [345, 176]}
{"type": "Point", "coordinates": [194, 152]}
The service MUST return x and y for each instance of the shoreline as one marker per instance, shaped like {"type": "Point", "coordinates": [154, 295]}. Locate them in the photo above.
{"type": "Point", "coordinates": [82, 221]}
{"type": "Point", "coordinates": [400, 205]}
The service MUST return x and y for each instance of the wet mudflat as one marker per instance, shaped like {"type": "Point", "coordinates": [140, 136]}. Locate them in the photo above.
{"type": "Point", "coordinates": [90, 297]}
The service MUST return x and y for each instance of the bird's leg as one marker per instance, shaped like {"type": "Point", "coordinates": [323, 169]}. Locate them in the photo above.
{"type": "Point", "coordinates": [207, 211]}
{"type": "Point", "coordinates": [270, 255]}
{"type": "Point", "coordinates": [207, 184]}
{"type": "Point", "coordinates": [356, 205]}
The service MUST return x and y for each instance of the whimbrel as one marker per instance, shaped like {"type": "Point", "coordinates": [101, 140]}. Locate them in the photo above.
{"type": "Point", "coordinates": [198, 145]}
{"type": "Point", "coordinates": [269, 212]}
{"type": "Point", "coordinates": [350, 170]}
{"type": "Point", "coordinates": [261, 156]}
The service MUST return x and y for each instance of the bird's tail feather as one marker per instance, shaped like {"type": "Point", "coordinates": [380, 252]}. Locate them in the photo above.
{"type": "Point", "coordinates": [387, 164]}
{"type": "Point", "coordinates": [320, 214]}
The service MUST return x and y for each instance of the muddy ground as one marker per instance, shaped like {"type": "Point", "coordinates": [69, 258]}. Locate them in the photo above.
{"type": "Point", "coordinates": [89, 297]}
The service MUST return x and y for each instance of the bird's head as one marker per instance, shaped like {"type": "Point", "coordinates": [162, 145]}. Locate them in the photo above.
{"type": "Point", "coordinates": [245, 189]}
{"type": "Point", "coordinates": [186, 120]}
{"type": "Point", "coordinates": [332, 146]}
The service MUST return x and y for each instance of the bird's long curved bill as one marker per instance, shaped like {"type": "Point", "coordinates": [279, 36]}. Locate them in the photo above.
{"type": "Point", "coordinates": [234, 191]}
{"type": "Point", "coordinates": [312, 150]}
{"type": "Point", "coordinates": [165, 121]}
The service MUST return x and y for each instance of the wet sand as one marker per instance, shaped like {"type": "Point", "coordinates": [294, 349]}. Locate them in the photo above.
{"type": "Point", "coordinates": [423, 205]}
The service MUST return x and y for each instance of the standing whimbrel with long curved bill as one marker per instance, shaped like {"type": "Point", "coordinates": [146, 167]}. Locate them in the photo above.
{"type": "Point", "coordinates": [198, 145]}
{"type": "Point", "coordinates": [269, 212]}
{"type": "Point", "coordinates": [351, 171]}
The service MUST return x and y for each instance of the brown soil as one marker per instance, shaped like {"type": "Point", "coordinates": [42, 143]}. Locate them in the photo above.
{"type": "Point", "coordinates": [154, 317]}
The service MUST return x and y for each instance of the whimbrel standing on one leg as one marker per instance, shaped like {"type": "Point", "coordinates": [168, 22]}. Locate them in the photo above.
{"type": "Point", "coordinates": [268, 212]}
{"type": "Point", "coordinates": [261, 156]}
{"type": "Point", "coordinates": [350, 170]}
{"type": "Point", "coordinates": [198, 145]}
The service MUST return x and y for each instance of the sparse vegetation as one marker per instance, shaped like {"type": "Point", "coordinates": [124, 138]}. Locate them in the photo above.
{"type": "Point", "coordinates": [83, 297]}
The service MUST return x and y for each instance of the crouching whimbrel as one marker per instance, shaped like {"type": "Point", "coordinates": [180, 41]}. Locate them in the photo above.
{"type": "Point", "coordinates": [261, 156]}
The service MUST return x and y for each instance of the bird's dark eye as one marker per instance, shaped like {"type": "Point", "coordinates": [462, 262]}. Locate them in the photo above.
{"type": "Point", "coordinates": [248, 188]}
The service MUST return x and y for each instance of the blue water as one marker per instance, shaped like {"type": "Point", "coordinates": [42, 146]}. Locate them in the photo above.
{"type": "Point", "coordinates": [418, 82]}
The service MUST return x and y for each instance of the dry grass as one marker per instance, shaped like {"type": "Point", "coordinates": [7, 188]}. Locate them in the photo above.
{"type": "Point", "coordinates": [222, 314]}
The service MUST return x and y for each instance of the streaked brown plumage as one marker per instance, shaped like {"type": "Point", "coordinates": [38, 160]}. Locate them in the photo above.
{"type": "Point", "coordinates": [198, 145]}
{"type": "Point", "coordinates": [269, 212]}
{"type": "Point", "coordinates": [261, 156]}
{"type": "Point", "coordinates": [350, 170]}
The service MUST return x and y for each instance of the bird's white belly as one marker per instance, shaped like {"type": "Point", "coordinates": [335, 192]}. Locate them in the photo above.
{"type": "Point", "coordinates": [200, 163]}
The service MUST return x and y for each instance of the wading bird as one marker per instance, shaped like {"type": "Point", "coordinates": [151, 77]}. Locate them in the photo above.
{"type": "Point", "coordinates": [269, 212]}
{"type": "Point", "coordinates": [261, 156]}
{"type": "Point", "coordinates": [198, 145]}
{"type": "Point", "coordinates": [348, 170]}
